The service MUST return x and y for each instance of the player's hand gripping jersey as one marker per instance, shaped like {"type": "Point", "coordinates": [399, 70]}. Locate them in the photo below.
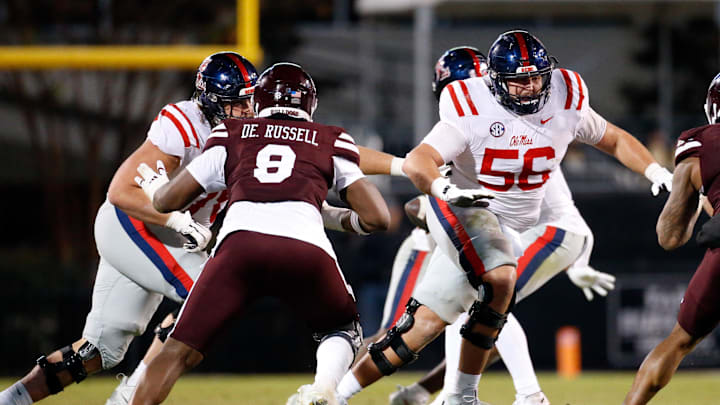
{"type": "Point", "coordinates": [277, 173]}
{"type": "Point", "coordinates": [512, 155]}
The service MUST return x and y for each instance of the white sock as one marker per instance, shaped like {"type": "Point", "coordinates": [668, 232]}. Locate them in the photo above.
{"type": "Point", "coordinates": [334, 358]}
{"type": "Point", "coordinates": [16, 394]}
{"type": "Point", "coordinates": [134, 378]}
{"type": "Point", "coordinates": [513, 348]}
{"type": "Point", "coordinates": [464, 382]}
{"type": "Point", "coordinates": [348, 386]}
{"type": "Point", "coordinates": [453, 341]}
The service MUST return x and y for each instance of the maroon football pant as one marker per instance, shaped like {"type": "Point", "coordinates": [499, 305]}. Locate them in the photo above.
{"type": "Point", "coordinates": [249, 265]}
{"type": "Point", "coordinates": [700, 308]}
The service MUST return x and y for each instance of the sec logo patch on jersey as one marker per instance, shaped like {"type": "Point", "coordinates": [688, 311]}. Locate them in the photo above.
{"type": "Point", "coordinates": [497, 129]}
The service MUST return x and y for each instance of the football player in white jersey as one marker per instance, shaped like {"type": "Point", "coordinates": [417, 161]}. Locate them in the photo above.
{"type": "Point", "coordinates": [146, 255]}
{"type": "Point", "coordinates": [506, 137]}
{"type": "Point", "coordinates": [543, 255]}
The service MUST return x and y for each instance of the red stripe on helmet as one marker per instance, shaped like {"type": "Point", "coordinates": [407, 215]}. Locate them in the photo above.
{"type": "Point", "coordinates": [476, 61]}
{"type": "Point", "coordinates": [568, 84]}
{"type": "Point", "coordinates": [455, 100]}
{"type": "Point", "coordinates": [582, 96]}
{"type": "Point", "coordinates": [470, 103]}
{"type": "Point", "coordinates": [241, 66]}
{"type": "Point", "coordinates": [523, 49]}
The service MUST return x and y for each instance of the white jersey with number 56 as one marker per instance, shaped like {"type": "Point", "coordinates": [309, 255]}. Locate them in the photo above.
{"type": "Point", "coordinates": [512, 155]}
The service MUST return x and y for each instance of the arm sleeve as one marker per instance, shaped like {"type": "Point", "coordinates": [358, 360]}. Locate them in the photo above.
{"type": "Point", "coordinates": [209, 169]}
{"type": "Point", "coordinates": [346, 172]}
{"type": "Point", "coordinates": [591, 127]}
{"type": "Point", "coordinates": [447, 140]}
{"type": "Point", "coordinates": [688, 145]}
{"type": "Point", "coordinates": [165, 133]}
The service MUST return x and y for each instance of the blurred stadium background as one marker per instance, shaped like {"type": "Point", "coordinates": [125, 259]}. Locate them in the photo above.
{"type": "Point", "coordinates": [71, 113]}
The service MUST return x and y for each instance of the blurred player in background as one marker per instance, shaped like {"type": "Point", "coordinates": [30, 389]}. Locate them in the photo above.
{"type": "Point", "coordinates": [697, 171]}
{"type": "Point", "coordinates": [509, 136]}
{"type": "Point", "coordinates": [146, 255]}
{"type": "Point", "coordinates": [277, 169]}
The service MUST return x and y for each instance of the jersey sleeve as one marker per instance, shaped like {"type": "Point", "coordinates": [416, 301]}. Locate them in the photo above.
{"type": "Point", "coordinates": [346, 172]}
{"type": "Point", "coordinates": [575, 97]}
{"type": "Point", "coordinates": [208, 169]}
{"type": "Point", "coordinates": [688, 144]}
{"type": "Point", "coordinates": [218, 137]}
{"type": "Point", "coordinates": [172, 132]}
{"type": "Point", "coordinates": [591, 127]}
{"type": "Point", "coordinates": [344, 147]}
{"type": "Point", "coordinates": [446, 140]}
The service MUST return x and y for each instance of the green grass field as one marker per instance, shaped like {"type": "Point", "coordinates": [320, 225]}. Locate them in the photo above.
{"type": "Point", "coordinates": [687, 388]}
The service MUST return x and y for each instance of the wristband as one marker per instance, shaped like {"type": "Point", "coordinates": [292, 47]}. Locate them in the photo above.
{"type": "Point", "coordinates": [396, 167]}
{"type": "Point", "coordinates": [355, 224]}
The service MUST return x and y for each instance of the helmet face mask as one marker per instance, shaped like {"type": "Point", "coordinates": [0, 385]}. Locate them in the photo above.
{"type": "Point", "coordinates": [517, 55]}
{"type": "Point", "coordinates": [223, 78]}
{"type": "Point", "coordinates": [285, 88]}
{"type": "Point", "coordinates": [518, 103]}
{"type": "Point", "coordinates": [457, 63]}
{"type": "Point", "coordinates": [712, 101]}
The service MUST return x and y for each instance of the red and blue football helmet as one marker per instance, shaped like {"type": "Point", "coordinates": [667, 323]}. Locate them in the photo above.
{"type": "Point", "coordinates": [457, 63]}
{"type": "Point", "coordinates": [517, 54]}
{"type": "Point", "coordinates": [223, 78]}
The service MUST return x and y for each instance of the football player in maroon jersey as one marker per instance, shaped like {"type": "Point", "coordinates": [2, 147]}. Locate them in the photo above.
{"type": "Point", "coordinates": [696, 171]}
{"type": "Point", "coordinates": [277, 169]}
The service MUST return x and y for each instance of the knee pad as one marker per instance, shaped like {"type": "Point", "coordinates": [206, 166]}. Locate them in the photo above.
{"type": "Point", "coordinates": [72, 362]}
{"type": "Point", "coordinates": [393, 339]}
{"type": "Point", "coordinates": [351, 332]}
{"type": "Point", "coordinates": [481, 313]}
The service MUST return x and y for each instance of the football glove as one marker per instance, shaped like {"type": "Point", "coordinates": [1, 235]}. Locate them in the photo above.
{"type": "Point", "coordinates": [590, 280]}
{"type": "Point", "coordinates": [197, 235]}
{"type": "Point", "coordinates": [332, 216]}
{"type": "Point", "coordinates": [151, 180]}
{"type": "Point", "coordinates": [442, 188]}
{"type": "Point", "coordinates": [660, 177]}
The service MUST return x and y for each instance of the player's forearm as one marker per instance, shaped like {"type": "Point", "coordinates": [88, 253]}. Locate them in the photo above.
{"type": "Point", "coordinates": [178, 193]}
{"type": "Point", "coordinates": [133, 201]}
{"type": "Point", "coordinates": [422, 168]}
{"type": "Point", "coordinates": [674, 227]}
{"type": "Point", "coordinates": [376, 162]}
{"type": "Point", "coordinates": [632, 154]}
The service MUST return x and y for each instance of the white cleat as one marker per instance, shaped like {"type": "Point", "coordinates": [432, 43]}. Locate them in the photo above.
{"type": "Point", "coordinates": [122, 393]}
{"type": "Point", "coordinates": [537, 398]}
{"type": "Point", "coordinates": [309, 395]}
{"type": "Point", "coordinates": [405, 396]}
{"type": "Point", "coordinates": [467, 397]}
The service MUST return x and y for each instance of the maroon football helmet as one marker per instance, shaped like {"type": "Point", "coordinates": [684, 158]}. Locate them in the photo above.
{"type": "Point", "coordinates": [285, 88]}
{"type": "Point", "coordinates": [712, 101]}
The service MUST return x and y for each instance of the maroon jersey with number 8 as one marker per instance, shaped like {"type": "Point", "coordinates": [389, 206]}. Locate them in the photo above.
{"type": "Point", "coordinates": [271, 160]}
